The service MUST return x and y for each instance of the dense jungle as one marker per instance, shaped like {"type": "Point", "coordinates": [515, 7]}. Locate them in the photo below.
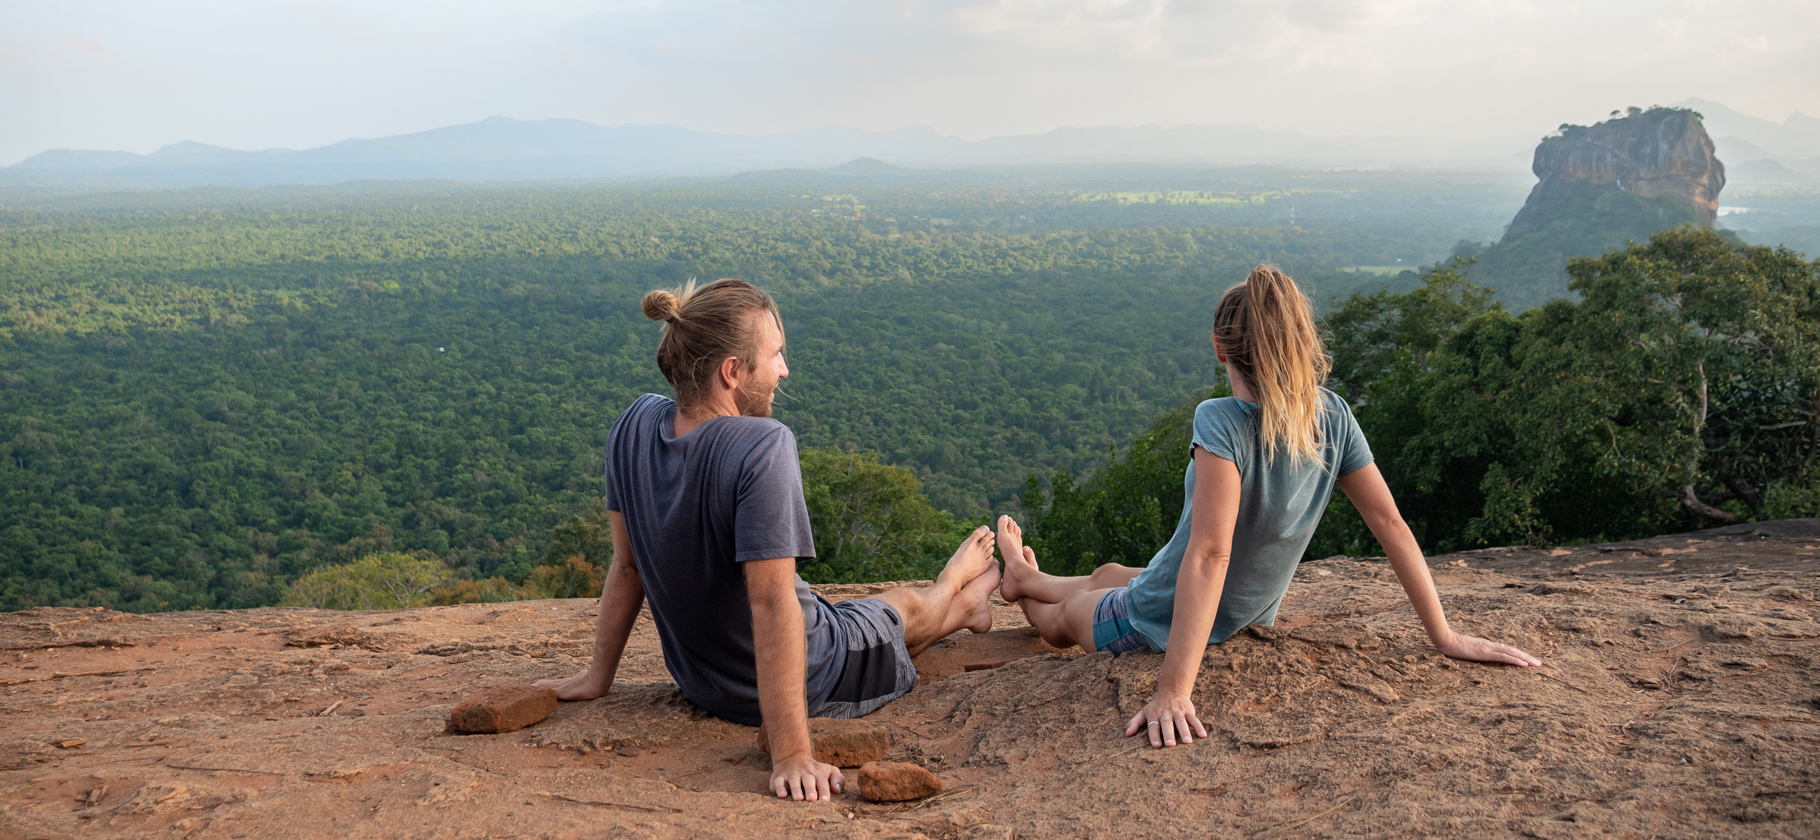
{"type": "Point", "coordinates": [379, 395]}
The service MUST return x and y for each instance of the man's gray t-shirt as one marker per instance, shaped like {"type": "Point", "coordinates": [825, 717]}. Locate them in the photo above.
{"type": "Point", "coordinates": [1280, 503]}
{"type": "Point", "coordinates": [696, 507]}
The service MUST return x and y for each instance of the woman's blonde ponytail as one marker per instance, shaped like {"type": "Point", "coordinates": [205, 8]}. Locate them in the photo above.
{"type": "Point", "coordinates": [1266, 329]}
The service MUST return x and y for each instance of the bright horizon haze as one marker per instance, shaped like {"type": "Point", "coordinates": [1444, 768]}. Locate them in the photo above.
{"type": "Point", "coordinates": [257, 74]}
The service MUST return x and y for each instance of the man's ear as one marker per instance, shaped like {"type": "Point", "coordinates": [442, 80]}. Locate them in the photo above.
{"type": "Point", "coordinates": [729, 372]}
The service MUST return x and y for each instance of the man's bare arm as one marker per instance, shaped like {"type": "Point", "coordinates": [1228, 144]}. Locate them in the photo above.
{"type": "Point", "coordinates": [621, 597]}
{"type": "Point", "coordinates": [779, 645]}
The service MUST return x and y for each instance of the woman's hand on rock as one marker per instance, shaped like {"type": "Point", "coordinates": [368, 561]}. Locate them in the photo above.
{"type": "Point", "coordinates": [804, 779]}
{"type": "Point", "coordinates": [1167, 720]}
{"type": "Point", "coordinates": [1481, 650]}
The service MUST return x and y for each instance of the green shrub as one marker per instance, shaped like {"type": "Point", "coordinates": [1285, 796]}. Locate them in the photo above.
{"type": "Point", "coordinates": [574, 577]}
{"type": "Point", "coordinates": [386, 581]}
{"type": "Point", "coordinates": [490, 591]}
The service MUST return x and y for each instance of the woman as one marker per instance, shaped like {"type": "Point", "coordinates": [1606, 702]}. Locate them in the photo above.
{"type": "Point", "coordinates": [1264, 464]}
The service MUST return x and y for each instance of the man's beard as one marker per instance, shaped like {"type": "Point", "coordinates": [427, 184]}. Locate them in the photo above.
{"type": "Point", "coordinates": [754, 400]}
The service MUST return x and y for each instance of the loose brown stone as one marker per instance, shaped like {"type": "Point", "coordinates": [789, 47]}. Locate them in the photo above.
{"type": "Point", "coordinates": [896, 781]}
{"type": "Point", "coordinates": [503, 709]}
{"type": "Point", "coordinates": [987, 665]}
{"type": "Point", "coordinates": [842, 743]}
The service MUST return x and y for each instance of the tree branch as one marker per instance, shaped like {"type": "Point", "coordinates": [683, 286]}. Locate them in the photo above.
{"type": "Point", "coordinates": [1693, 503]}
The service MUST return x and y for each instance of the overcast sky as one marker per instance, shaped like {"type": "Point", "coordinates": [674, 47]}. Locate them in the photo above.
{"type": "Point", "coordinates": [251, 74]}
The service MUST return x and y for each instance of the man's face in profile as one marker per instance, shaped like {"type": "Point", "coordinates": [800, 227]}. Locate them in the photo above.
{"type": "Point", "coordinates": [755, 397]}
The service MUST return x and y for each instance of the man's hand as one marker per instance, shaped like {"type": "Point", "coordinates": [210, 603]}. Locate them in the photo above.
{"type": "Point", "coordinates": [586, 685]}
{"type": "Point", "coordinates": [804, 779]}
{"type": "Point", "coordinates": [621, 597]}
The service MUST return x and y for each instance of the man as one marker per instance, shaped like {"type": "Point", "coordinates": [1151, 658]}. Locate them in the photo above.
{"type": "Point", "coordinates": [705, 497]}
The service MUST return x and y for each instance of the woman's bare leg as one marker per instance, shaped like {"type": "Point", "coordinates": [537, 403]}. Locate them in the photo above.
{"type": "Point", "coordinates": [1023, 580]}
{"type": "Point", "coordinates": [1068, 623]}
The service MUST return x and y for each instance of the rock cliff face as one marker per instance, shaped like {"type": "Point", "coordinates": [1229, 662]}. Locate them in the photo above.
{"type": "Point", "coordinates": [1660, 152]}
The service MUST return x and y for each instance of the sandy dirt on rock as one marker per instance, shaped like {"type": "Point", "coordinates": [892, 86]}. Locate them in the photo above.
{"type": "Point", "coordinates": [1680, 697]}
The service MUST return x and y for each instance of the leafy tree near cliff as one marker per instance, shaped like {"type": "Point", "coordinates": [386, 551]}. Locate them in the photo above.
{"type": "Point", "coordinates": [1679, 392]}
{"type": "Point", "coordinates": [1690, 371]}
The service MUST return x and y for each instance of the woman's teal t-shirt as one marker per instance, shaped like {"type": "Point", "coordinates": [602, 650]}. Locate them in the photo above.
{"type": "Point", "coordinates": [1280, 503]}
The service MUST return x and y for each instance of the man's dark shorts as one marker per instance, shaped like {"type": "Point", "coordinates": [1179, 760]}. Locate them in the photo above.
{"type": "Point", "coordinates": [878, 669]}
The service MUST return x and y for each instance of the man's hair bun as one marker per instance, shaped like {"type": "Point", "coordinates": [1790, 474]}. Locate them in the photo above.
{"type": "Point", "coordinates": [661, 305]}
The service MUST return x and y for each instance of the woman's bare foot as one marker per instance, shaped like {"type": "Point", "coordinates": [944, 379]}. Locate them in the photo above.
{"type": "Point", "coordinates": [582, 686]}
{"type": "Point", "coordinates": [970, 561]}
{"type": "Point", "coordinates": [1020, 561]}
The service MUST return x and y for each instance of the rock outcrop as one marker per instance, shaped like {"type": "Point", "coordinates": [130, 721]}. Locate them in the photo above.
{"type": "Point", "coordinates": [1659, 152]}
{"type": "Point", "coordinates": [1676, 696]}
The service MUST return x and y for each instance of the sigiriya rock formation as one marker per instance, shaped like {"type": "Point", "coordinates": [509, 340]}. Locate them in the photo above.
{"type": "Point", "coordinates": [1650, 154]}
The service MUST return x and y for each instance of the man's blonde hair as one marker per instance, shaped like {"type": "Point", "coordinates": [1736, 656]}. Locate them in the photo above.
{"type": "Point", "coordinates": [702, 328]}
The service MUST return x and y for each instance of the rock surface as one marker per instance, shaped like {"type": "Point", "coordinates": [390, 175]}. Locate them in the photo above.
{"type": "Point", "coordinates": [502, 709]}
{"type": "Point", "coordinates": [1659, 152]}
{"type": "Point", "coordinates": [896, 781]}
{"type": "Point", "coordinates": [1677, 698]}
{"type": "Point", "coordinates": [842, 743]}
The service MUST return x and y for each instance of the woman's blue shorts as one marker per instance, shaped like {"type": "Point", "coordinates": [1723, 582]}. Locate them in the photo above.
{"type": "Point", "coordinates": [1112, 630]}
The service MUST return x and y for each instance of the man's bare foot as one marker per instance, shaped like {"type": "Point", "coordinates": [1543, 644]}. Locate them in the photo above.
{"type": "Point", "coordinates": [1020, 561]}
{"type": "Point", "coordinates": [582, 686]}
{"type": "Point", "coordinates": [976, 599]}
{"type": "Point", "coordinates": [970, 561]}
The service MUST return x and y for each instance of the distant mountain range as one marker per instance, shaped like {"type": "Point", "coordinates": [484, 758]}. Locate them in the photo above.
{"type": "Point", "coordinates": [505, 149]}
{"type": "Point", "coordinates": [502, 148]}
{"type": "Point", "coordinates": [1755, 149]}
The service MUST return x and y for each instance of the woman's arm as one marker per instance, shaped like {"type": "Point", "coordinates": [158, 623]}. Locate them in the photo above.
{"type": "Point", "coordinates": [1198, 584]}
{"type": "Point", "coordinates": [1368, 492]}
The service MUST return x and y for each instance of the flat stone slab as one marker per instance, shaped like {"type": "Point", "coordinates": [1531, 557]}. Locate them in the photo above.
{"type": "Point", "coordinates": [842, 743]}
{"type": "Point", "coordinates": [502, 709]}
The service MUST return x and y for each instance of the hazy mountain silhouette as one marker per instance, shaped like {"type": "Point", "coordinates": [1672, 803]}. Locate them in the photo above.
{"type": "Point", "coordinates": [501, 148]}
{"type": "Point", "coordinates": [1794, 143]}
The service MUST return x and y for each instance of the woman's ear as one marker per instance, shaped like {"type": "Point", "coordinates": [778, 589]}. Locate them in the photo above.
{"type": "Point", "coordinates": [1218, 352]}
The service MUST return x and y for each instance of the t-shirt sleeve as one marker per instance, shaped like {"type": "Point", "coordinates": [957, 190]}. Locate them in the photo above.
{"type": "Point", "coordinates": [1215, 431]}
{"type": "Point", "coordinates": [772, 518]}
{"type": "Point", "coordinates": [614, 444]}
{"type": "Point", "coordinates": [1354, 452]}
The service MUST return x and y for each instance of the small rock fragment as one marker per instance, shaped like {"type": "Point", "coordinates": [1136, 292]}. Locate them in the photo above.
{"type": "Point", "coordinates": [73, 743]}
{"type": "Point", "coordinates": [988, 665]}
{"type": "Point", "coordinates": [842, 743]}
{"type": "Point", "coordinates": [503, 709]}
{"type": "Point", "coordinates": [896, 781]}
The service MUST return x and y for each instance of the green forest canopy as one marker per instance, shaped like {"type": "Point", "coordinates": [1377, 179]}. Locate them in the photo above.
{"type": "Point", "coordinates": [206, 395]}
